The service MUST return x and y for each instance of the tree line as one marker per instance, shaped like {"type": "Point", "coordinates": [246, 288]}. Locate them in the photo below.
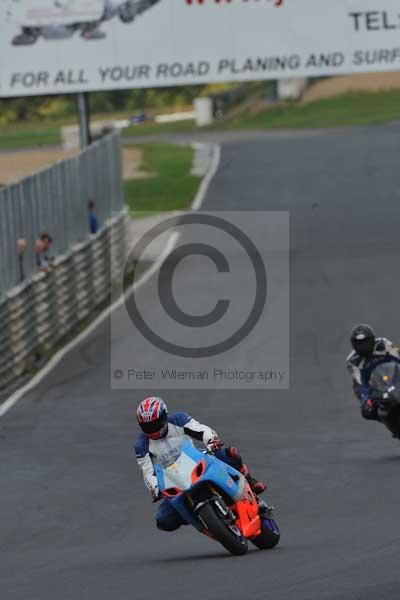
{"type": "Point", "coordinates": [18, 110]}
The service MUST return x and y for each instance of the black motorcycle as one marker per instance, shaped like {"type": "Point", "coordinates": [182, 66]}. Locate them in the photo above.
{"type": "Point", "coordinates": [385, 381]}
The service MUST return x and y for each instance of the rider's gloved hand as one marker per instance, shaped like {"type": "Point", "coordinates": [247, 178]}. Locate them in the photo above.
{"type": "Point", "coordinates": [370, 405]}
{"type": "Point", "coordinates": [369, 410]}
{"type": "Point", "coordinates": [214, 444]}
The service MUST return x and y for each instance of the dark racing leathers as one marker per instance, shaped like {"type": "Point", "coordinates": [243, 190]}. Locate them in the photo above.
{"type": "Point", "coordinates": [361, 369]}
{"type": "Point", "coordinates": [166, 450]}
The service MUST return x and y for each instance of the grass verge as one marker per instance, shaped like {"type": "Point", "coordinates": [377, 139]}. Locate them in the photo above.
{"type": "Point", "coordinates": [171, 186]}
{"type": "Point", "coordinates": [29, 139]}
{"type": "Point", "coordinates": [359, 108]}
{"type": "Point", "coordinates": [34, 135]}
{"type": "Point", "coordinates": [346, 110]}
{"type": "Point", "coordinates": [156, 128]}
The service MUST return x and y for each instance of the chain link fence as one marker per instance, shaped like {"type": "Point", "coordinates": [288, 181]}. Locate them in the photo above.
{"type": "Point", "coordinates": [55, 201]}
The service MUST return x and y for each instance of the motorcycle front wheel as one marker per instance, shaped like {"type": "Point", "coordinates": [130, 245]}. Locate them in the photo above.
{"type": "Point", "coordinates": [269, 536]}
{"type": "Point", "coordinates": [389, 414]}
{"type": "Point", "coordinates": [235, 543]}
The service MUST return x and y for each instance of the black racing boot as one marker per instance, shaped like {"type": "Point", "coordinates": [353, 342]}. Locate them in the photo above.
{"type": "Point", "coordinates": [257, 487]}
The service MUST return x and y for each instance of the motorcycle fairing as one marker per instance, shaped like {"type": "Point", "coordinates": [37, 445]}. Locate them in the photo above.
{"type": "Point", "coordinates": [385, 375]}
{"type": "Point", "coordinates": [179, 474]}
{"type": "Point", "coordinates": [224, 477]}
{"type": "Point", "coordinates": [228, 479]}
{"type": "Point", "coordinates": [248, 518]}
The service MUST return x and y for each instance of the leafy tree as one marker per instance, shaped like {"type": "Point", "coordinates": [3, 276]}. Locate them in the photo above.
{"type": "Point", "coordinates": [37, 108]}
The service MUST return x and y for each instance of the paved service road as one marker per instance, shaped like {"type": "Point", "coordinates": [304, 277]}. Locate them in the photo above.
{"type": "Point", "coordinates": [75, 519]}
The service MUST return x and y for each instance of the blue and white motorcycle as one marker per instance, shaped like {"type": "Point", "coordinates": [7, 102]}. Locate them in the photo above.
{"type": "Point", "coordinates": [217, 500]}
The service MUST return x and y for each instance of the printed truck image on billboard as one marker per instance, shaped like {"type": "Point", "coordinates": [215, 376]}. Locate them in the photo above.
{"type": "Point", "coordinates": [60, 19]}
{"type": "Point", "coordinates": [68, 46]}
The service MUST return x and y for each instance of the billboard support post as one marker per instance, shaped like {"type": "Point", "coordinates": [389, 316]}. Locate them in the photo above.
{"type": "Point", "coordinates": [83, 117]}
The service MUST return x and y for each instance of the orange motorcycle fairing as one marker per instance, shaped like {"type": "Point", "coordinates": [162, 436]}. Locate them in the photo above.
{"type": "Point", "coordinates": [248, 519]}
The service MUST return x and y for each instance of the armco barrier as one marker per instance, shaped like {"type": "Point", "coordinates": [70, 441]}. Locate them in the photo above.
{"type": "Point", "coordinates": [36, 315]}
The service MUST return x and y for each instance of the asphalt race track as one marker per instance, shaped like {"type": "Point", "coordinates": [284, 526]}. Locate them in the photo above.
{"type": "Point", "coordinates": [75, 519]}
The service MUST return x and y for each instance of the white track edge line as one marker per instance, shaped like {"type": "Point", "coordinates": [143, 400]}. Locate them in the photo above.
{"type": "Point", "coordinates": [172, 240]}
{"type": "Point", "coordinates": [201, 193]}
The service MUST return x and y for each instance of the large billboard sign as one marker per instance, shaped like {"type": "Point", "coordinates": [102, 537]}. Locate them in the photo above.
{"type": "Point", "coordinates": [61, 46]}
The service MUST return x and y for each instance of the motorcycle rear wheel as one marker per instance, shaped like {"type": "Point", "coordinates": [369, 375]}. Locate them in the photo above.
{"type": "Point", "coordinates": [221, 532]}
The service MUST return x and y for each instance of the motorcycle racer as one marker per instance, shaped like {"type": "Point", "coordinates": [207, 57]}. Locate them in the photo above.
{"type": "Point", "coordinates": [368, 352]}
{"type": "Point", "coordinates": [160, 442]}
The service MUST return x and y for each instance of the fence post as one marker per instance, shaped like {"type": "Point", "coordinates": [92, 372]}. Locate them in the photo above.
{"type": "Point", "coordinates": [83, 117]}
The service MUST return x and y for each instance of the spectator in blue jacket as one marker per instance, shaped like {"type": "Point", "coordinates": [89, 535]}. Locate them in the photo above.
{"type": "Point", "coordinates": [93, 220]}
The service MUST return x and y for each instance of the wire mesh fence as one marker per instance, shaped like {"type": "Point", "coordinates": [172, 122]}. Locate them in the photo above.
{"type": "Point", "coordinates": [55, 201]}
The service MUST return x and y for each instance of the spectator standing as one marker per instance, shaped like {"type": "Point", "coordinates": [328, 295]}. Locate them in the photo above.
{"type": "Point", "coordinates": [42, 247]}
{"type": "Point", "coordinates": [21, 246]}
{"type": "Point", "coordinates": [93, 220]}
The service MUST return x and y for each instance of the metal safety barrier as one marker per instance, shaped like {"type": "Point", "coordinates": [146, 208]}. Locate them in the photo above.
{"type": "Point", "coordinates": [41, 308]}
{"type": "Point", "coordinates": [38, 314]}
{"type": "Point", "coordinates": [55, 201]}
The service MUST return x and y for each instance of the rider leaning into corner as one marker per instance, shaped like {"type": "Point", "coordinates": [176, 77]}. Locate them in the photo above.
{"type": "Point", "coordinates": [368, 352]}
{"type": "Point", "coordinates": [160, 442]}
